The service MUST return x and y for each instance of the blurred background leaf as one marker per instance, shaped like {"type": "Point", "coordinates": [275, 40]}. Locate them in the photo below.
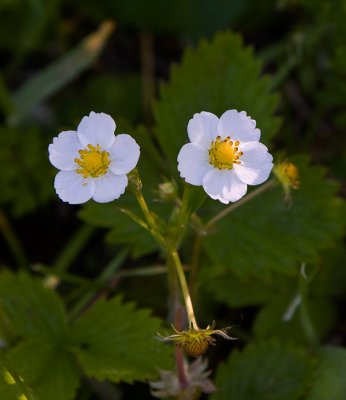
{"type": "Point", "coordinates": [264, 371]}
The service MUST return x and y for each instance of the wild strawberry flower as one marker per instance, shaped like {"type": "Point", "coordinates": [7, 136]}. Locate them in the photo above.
{"type": "Point", "coordinates": [224, 155]}
{"type": "Point", "coordinates": [93, 162]}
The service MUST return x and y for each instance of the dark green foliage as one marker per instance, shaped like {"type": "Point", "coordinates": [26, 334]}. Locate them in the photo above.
{"type": "Point", "coordinates": [266, 371]}
{"type": "Point", "coordinates": [68, 334]}
{"type": "Point", "coordinates": [329, 380]}
{"type": "Point", "coordinates": [31, 310]}
{"type": "Point", "coordinates": [24, 180]}
{"type": "Point", "coordinates": [115, 342]}
{"type": "Point", "coordinates": [215, 77]}
{"type": "Point", "coordinates": [268, 234]}
{"type": "Point", "coordinates": [112, 341]}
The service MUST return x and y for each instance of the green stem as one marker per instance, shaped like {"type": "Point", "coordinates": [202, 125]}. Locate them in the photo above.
{"type": "Point", "coordinates": [150, 220]}
{"type": "Point", "coordinates": [305, 317]}
{"type": "Point", "coordinates": [13, 242]}
{"type": "Point", "coordinates": [174, 256]}
{"type": "Point", "coordinates": [268, 185]}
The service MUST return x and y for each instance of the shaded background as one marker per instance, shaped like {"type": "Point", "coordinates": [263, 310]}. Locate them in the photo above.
{"type": "Point", "coordinates": [53, 73]}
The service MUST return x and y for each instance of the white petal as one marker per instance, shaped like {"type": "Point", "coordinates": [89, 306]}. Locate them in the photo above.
{"type": "Point", "coordinates": [238, 126]}
{"type": "Point", "coordinates": [64, 150]}
{"type": "Point", "coordinates": [255, 163]}
{"type": "Point", "coordinates": [193, 163]}
{"type": "Point", "coordinates": [123, 154]}
{"type": "Point", "coordinates": [202, 128]}
{"type": "Point", "coordinates": [97, 129]}
{"type": "Point", "coordinates": [253, 176]}
{"type": "Point", "coordinates": [73, 188]}
{"type": "Point", "coordinates": [109, 187]}
{"type": "Point", "coordinates": [224, 185]}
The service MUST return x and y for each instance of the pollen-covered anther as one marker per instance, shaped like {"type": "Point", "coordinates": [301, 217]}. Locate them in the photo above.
{"type": "Point", "coordinates": [224, 153]}
{"type": "Point", "coordinates": [93, 162]}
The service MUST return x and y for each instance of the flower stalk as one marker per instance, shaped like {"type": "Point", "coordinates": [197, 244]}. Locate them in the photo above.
{"type": "Point", "coordinates": [173, 258]}
{"type": "Point", "coordinates": [263, 188]}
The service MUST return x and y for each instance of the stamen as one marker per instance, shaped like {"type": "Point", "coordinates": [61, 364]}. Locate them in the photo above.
{"type": "Point", "coordinates": [92, 162]}
{"type": "Point", "coordinates": [224, 153]}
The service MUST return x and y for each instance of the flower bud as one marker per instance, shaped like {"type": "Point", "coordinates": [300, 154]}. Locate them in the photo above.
{"type": "Point", "coordinates": [288, 175]}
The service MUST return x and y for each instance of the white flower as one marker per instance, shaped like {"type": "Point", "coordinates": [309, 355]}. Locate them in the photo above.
{"type": "Point", "coordinates": [224, 155]}
{"type": "Point", "coordinates": [93, 161]}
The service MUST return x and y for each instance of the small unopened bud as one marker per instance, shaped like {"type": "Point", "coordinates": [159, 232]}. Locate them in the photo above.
{"type": "Point", "coordinates": [288, 175]}
{"type": "Point", "coordinates": [167, 191]}
{"type": "Point", "coordinates": [135, 183]}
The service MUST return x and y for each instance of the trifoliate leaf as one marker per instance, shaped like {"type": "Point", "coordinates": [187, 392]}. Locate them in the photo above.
{"type": "Point", "coordinates": [47, 368]}
{"type": "Point", "coordinates": [266, 234]}
{"type": "Point", "coordinates": [267, 371]}
{"type": "Point", "coordinates": [30, 309]}
{"type": "Point", "coordinates": [329, 381]}
{"type": "Point", "coordinates": [116, 342]}
{"type": "Point", "coordinates": [215, 77]}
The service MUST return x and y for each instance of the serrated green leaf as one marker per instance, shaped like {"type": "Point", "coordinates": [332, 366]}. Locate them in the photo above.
{"type": "Point", "coordinates": [267, 371]}
{"type": "Point", "coordinates": [217, 76]}
{"type": "Point", "coordinates": [329, 380]}
{"type": "Point", "coordinates": [330, 281]}
{"type": "Point", "coordinates": [265, 235]}
{"type": "Point", "coordinates": [29, 309]}
{"type": "Point", "coordinates": [47, 367]}
{"type": "Point", "coordinates": [116, 342]}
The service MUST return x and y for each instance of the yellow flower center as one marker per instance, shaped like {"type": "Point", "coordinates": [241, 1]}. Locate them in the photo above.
{"type": "Point", "coordinates": [92, 162]}
{"type": "Point", "coordinates": [224, 153]}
